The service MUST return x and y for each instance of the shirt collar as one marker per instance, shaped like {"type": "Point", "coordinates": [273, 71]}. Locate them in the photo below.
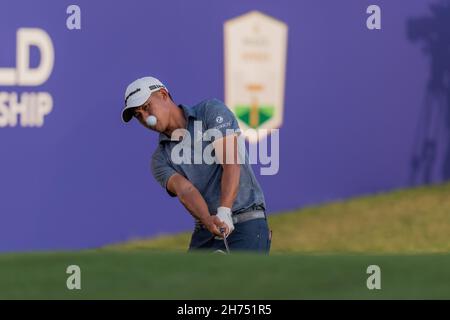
{"type": "Point", "coordinates": [188, 113]}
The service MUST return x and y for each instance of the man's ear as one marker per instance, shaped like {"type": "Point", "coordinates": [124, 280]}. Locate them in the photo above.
{"type": "Point", "coordinates": [164, 93]}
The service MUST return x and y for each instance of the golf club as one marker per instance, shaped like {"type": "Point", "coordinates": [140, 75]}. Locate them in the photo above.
{"type": "Point", "coordinates": [222, 231]}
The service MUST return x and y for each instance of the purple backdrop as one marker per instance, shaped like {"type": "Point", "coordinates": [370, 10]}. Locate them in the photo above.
{"type": "Point", "coordinates": [357, 110]}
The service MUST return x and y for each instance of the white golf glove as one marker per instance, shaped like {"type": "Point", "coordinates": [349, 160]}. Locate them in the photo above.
{"type": "Point", "coordinates": [224, 214]}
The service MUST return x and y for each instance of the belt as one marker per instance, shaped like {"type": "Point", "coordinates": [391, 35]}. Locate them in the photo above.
{"type": "Point", "coordinates": [239, 218]}
{"type": "Point", "coordinates": [249, 215]}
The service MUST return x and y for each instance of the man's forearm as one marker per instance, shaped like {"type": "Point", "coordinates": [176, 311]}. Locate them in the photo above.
{"type": "Point", "coordinates": [229, 184]}
{"type": "Point", "coordinates": [193, 201]}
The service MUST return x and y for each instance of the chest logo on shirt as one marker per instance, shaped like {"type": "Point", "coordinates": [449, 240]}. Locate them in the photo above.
{"type": "Point", "coordinates": [255, 62]}
{"type": "Point", "coordinates": [219, 119]}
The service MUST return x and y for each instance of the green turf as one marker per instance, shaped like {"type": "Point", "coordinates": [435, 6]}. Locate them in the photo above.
{"type": "Point", "coordinates": [404, 221]}
{"type": "Point", "coordinates": [151, 275]}
{"type": "Point", "coordinates": [406, 233]}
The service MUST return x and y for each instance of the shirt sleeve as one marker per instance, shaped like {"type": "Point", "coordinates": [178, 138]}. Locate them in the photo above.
{"type": "Point", "coordinates": [162, 170]}
{"type": "Point", "coordinates": [219, 116]}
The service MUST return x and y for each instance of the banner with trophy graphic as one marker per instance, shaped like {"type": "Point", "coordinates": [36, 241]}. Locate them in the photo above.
{"type": "Point", "coordinates": [255, 62]}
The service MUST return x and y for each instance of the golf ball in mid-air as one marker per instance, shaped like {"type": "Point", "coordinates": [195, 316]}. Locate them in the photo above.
{"type": "Point", "coordinates": [151, 121]}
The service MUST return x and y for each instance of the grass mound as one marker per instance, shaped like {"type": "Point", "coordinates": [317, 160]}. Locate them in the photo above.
{"type": "Point", "coordinates": [405, 221]}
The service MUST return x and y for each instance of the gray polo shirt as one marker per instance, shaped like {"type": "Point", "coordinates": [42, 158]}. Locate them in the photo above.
{"type": "Point", "coordinates": [207, 177]}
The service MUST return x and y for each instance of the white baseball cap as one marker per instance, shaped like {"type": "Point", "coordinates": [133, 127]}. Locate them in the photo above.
{"type": "Point", "coordinates": [137, 93]}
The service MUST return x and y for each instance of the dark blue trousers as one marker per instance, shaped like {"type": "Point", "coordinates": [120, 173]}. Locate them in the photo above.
{"type": "Point", "coordinates": [253, 235]}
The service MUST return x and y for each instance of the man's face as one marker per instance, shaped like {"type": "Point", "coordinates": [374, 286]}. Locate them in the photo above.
{"type": "Point", "coordinates": [156, 105]}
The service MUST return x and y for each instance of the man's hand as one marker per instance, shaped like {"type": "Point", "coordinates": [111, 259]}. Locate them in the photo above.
{"type": "Point", "coordinates": [193, 201]}
{"type": "Point", "coordinates": [224, 214]}
{"type": "Point", "coordinates": [213, 224]}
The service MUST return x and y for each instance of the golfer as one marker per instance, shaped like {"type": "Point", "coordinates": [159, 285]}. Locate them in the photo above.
{"type": "Point", "coordinates": [224, 197]}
